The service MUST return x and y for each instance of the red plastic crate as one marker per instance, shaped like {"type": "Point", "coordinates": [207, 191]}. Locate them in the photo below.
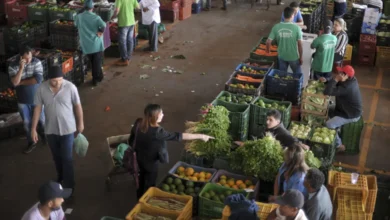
{"type": "Point", "coordinates": [17, 9]}
{"type": "Point", "coordinates": [185, 12]}
{"type": "Point", "coordinates": [67, 65]}
{"type": "Point", "coordinates": [366, 59]}
{"type": "Point", "coordinates": [169, 15]}
{"type": "Point", "coordinates": [367, 43]}
{"type": "Point", "coordinates": [186, 3]}
{"type": "Point", "coordinates": [170, 5]}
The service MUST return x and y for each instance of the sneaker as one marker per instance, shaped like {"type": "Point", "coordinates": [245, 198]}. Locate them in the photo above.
{"type": "Point", "coordinates": [29, 148]}
{"type": "Point", "coordinates": [122, 62]}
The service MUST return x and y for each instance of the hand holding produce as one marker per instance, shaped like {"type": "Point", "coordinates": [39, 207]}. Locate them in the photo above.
{"type": "Point", "coordinates": [236, 98]}
{"type": "Point", "coordinates": [323, 135]}
{"type": "Point", "coordinates": [300, 130]}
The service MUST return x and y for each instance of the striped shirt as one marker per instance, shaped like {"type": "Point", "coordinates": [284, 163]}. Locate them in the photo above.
{"type": "Point", "coordinates": [342, 41]}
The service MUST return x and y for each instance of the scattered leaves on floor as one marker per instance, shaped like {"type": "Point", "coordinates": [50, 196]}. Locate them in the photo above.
{"type": "Point", "coordinates": [179, 57]}
{"type": "Point", "coordinates": [203, 74]}
{"type": "Point", "coordinates": [144, 76]}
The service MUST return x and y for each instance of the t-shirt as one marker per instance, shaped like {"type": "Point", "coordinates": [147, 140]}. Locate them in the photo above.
{"type": "Point", "coordinates": [34, 214]}
{"type": "Point", "coordinates": [325, 47]}
{"type": "Point", "coordinates": [126, 12]}
{"type": "Point", "coordinates": [300, 216]}
{"type": "Point", "coordinates": [286, 35]}
{"type": "Point", "coordinates": [297, 17]}
{"type": "Point", "coordinates": [88, 24]}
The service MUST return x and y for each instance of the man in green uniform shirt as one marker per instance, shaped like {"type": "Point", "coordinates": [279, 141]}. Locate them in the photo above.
{"type": "Point", "coordinates": [124, 9]}
{"type": "Point", "coordinates": [288, 36]}
{"type": "Point", "coordinates": [323, 58]}
{"type": "Point", "coordinates": [91, 28]}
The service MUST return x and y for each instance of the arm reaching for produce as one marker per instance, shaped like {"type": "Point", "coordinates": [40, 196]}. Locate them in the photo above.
{"type": "Point", "coordinates": [203, 137]}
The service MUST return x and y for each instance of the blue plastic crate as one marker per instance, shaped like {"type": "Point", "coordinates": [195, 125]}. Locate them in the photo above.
{"type": "Point", "coordinates": [196, 8]}
{"type": "Point", "coordinates": [289, 89]}
{"type": "Point", "coordinates": [254, 68]}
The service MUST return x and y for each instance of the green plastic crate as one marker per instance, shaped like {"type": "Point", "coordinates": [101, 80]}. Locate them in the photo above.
{"type": "Point", "coordinates": [306, 140]}
{"type": "Point", "coordinates": [55, 14]}
{"type": "Point", "coordinates": [239, 119]}
{"type": "Point", "coordinates": [210, 208]}
{"type": "Point", "coordinates": [350, 136]}
{"type": "Point", "coordinates": [38, 14]}
{"type": "Point", "coordinates": [321, 150]}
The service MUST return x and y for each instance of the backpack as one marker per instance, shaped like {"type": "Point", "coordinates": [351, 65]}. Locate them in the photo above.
{"type": "Point", "coordinates": [130, 160]}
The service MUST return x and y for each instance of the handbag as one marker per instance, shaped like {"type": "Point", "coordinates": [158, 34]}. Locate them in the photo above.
{"type": "Point", "coordinates": [130, 159]}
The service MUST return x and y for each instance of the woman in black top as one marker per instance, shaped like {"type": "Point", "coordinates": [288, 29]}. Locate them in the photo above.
{"type": "Point", "coordinates": [339, 29]}
{"type": "Point", "coordinates": [150, 139]}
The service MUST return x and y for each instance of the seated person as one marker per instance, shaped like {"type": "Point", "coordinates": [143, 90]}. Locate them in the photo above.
{"type": "Point", "coordinates": [292, 173]}
{"type": "Point", "coordinates": [344, 86]}
{"type": "Point", "coordinates": [291, 203]}
{"type": "Point", "coordinates": [318, 205]}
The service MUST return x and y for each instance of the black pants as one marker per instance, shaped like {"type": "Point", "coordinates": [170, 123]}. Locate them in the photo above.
{"type": "Point", "coordinates": [147, 179]}
{"type": "Point", "coordinates": [153, 36]}
{"type": "Point", "coordinates": [96, 63]}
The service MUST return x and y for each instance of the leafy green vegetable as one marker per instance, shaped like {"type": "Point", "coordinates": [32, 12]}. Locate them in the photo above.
{"type": "Point", "coordinates": [324, 135]}
{"type": "Point", "coordinates": [311, 160]}
{"type": "Point", "coordinates": [261, 158]}
{"type": "Point", "coordinates": [215, 123]}
{"type": "Point", "coordinates": [300, 131]}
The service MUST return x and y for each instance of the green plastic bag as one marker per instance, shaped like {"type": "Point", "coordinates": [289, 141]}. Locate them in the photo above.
{"type": "Point", "coordinates": [81, 145]}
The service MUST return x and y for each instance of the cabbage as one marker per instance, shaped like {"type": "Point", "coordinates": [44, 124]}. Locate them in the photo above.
{"type": "Point", "coordinates": [327, 140]}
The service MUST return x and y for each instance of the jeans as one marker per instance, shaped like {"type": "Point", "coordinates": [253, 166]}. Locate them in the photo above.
{"type": "Point", "coordinates": [295, 66]}
{"type": "Point", "coordinates": [337, 122]}
{"type": "Point", "coordinates": [126, 42]}
{"type": "Point", "coordinates": [153, 36]}
{"type": "Point", "coordinates": [26, 111]}
{"type": "Point", "coordinates": [96, 63]}
{"type": "Point", "coordinates": [62, 152]}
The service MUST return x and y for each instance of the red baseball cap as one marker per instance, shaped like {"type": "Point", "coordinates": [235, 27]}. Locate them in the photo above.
{"type": "Point", "coordinates": [348, 70]}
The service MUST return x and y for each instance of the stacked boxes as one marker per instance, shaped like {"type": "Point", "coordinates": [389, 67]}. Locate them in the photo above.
{"type": "Point", "coordinates": [169, 10]}
{"type": "Point", "coordinates": [367, 49]}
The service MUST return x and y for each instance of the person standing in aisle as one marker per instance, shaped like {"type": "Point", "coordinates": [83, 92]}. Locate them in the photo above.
{"type": "Point", "coordinates": [339, 9]}
{"type": "Point", "coordinates": [91, 28]}
{"type": "Point", "coordinates": [26, 73]}
{"type": "Point", "coordinates": [324, 56]}
{"type": "Point", "coordinates": [64, 121]}
{"type": "Point", "coordinates": [289, 39]}
{"type": "Point", "coordinates": [340, 31]}
{"type": "Point", "coordinates": [124, 9]}
{"type": "Point", "coordinates": [151, 17]}
{"type": "Point", "coordinates": [345, 87]}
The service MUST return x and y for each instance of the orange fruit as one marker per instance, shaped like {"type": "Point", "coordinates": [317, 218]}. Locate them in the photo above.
{"type": "Point", "coordinates": [223, 177]}
{"type": "Point", "coordinates": [190, 171]}
{"type": "Point", "coordinates": [208, 175]}
{"type": "Point", "coordinates": [239, 182]}
{"type": "Point", "coordinates": [226, 185]}
{"type": "Point", "coordinates": [196, 175]}
{"type": "Point", "coordinates": [242, 186]}
{"type": "Point", "coordinates": [222, 181]}
{"type": "Point", "coordinates": [202, 175]}
{"type": "Point", "coordinates": [202, 179]}
{"type": "Point", "coordinates": [180, 169]}
{"type": "Point", "coordinates": [230, 182]}
{"type": "Point", "coordinates": [235, 187]}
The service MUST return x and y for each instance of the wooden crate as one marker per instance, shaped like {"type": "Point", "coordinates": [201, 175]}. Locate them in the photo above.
{"type": "Point", "coordinates": [306, 101]}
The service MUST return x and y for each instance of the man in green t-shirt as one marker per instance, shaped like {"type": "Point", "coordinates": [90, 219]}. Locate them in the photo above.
{"type": "Point", "coordinates": [124, 9]}
{"type": "Point", "coordinates": [323, 58]}
{"type": "Point", "coordinates": [288, 37]}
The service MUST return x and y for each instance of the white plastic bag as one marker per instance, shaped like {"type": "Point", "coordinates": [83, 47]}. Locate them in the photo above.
{"type": "Point", "coordinates": [81, 145]}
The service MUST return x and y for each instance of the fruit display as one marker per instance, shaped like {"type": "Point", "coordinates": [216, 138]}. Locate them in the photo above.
{"type": "Point", "coordinates": [42, 6]}
{"type": "Point", "coordinates": [61, 9]}
{"type": "Point", "coordinates": [288, 77]}
{"type": "Point", "coordinates": [190, 174]}
{"type": "Point", "coordinates": [323, 135]}
{"type": "Point", "coordinates": [262, 52]}
{"type": "Point", "coordinates": [236, 98]}
{"type": "Point", "coordinates": [217, 196]}
{"type": "Point", "coordinates": [273, 105]}
{"type": "Point", "coordinates": [166, 203]}
{"type": "Point", "coordinates": [300, 131]}
{"type": "Point", "coordinates": [250, 70]}
{"type": "Point", "coordinates": [257, 65]}
{"type": "Point", "coordinates": [247, 79]}
{"type": "Point", "coordinates": [263, 46]}
{"type": "Point", "coordinates": [144, 216]}
{"type": "Point", "coordinates": [230, 182]}
{"type": "Point", "coordinates": [63, 22]}
{"type": "Point", "coordinates": [25, 27]}
{"type": "Point", "coordinates": [242, 86]}
{"type": "Point", "coordinates": [180, 187]}
{"type": "Point", "coordinates": [8, 93]}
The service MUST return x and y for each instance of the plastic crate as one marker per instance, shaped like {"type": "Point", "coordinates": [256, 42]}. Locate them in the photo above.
{"type": "Point", "coordinates": [321, 110]}
{"type": "Point", "coordinates": [61, 29]}
{"type": "Point", "coordinates": [239, 119]}
{"type": "Point", "coordinates": [17, 9]}
{"type": "Point", "coordinates": [65, 42]}
{"type": "Point", "coordinates": [197, 169]}
{"type": "Point", "coordinates": [229, 175]}
{"type": "Point", "coordinates": [264, 210]}
{"type": "Point", "coordinates": [8, 100]}
{"type": "Point", "coordinates": [321, 150]}
{"type": "Point", "coordinates": [38, 12]}
{"type": "Point", "coordinates": [372, 193]}
{"type": "Point", "coordinates": [67, 64]}
{"type": "Point", "coordinates": [169, 15]}
{"type": "Point", "coordinates": [210, 208]}
{"type": "Point", "coordinates": [196, 8]}
{"type": "Point", "coordinates": [254, 92]}
{"type": "Point", "coordinates": [367, 43]}
{"type": "Point", "coordinates": [257, 76]}
{"type": "Point", "coordinates": [186, 213]}
{"type": "Point", "coordinates": [185, 12]}
{"type": "Point", "coordinates": [350, 136]}
{"type": "Point", "coordinates": [383, 41]}
{"type": "Point", "coordinates": [195, 160]}
{"type": "Point", "coordinates": [383, 56]}
{"type": "Point", "coordinates": [141, 208]}
{"type": "Point", "coordinates": [290, 89]}
{"type": "Point", "coordinates": [259, 114]}
{"type": "Point", "coordinates": [52, 56]}
{"type": "Point", "coordinates": [303, 140]}
{"type": "Point", "coordinates": [258, 64]}
{"type": "Point", "coordinates": [315, 120]}
{"type": "Point", "coordinates": [348, 52]}
{"type": "Point", "coordinates": [105, 12]}
{"type": "Point", "coordinates": [350, 204]}
{"type": "Point", "coordinates": [55, 14]}
{"type": "Point", "coordinates": [366, 59]}
{"type": "Point", "coordinates": [195, 197]}
{"type": "Point", "coordinates": [342, 182]}
{"type": "Point", "coordinates": [169, 5]}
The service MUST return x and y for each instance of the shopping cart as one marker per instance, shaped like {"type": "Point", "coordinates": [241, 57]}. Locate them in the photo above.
{"type": "Point", "coordinates": [118, 169]}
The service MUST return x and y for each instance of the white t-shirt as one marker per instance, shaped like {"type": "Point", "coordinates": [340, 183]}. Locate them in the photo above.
{"type": "Point", "coordinates": [301, 215]}
{"type": "Point", "coordinates": [34, 214]}
{"type": "Point", "coordinates": [153, 14]}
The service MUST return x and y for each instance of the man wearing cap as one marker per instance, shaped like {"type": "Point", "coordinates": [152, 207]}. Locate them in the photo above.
{"type": "Point", "coordinates": [91, 28]}
{"type": "Point", "coordinates": [344, 86]}
{"type": "Point", "coordinates": [51, 195]}
{"type": "Point", "coordinates": [64, 119]}
{"type": "Point", "coordinates": [26, 73]}
{"type": "Point", "coordinates": [291, 203]}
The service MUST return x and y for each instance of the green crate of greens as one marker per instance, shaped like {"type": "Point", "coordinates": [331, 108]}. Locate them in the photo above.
{"type": "Point", "coordinates": [322, 143]}
{"type": "Point", "coordinates": [350, 136]}
{"type": "Point", "coordinates": [313, 120]}
{"type": "Point", "coordinates": [301, 131]}
{"type": "Point", "coordinates": [211, 200]}
{"type": "Point", "coordinates": [39, 12]}
{"type": "Point", "coordinates": [64, 12]}
{"type": "Point", "coordinates": [239, 118]}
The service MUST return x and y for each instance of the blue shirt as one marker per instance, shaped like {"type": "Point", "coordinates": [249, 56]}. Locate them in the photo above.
{"type": "Point", "coordinates": [89, 24]}
{"type": "Point", "coordinates": [297, 17]}
{"type": "Point", "coordinates": [25, 93]}
{"type": "Point", "coordinates": [294, 182]}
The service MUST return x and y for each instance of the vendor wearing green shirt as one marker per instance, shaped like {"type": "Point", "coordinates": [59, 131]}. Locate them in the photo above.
{"type": "Point", "coordinates": [288, 36]}
{"type": "Point", "coordinates": [91, 28]}
{"type": "Point", "coordinates": [323, 58]}
{"type": "Point", "coordinates": [124, 9]}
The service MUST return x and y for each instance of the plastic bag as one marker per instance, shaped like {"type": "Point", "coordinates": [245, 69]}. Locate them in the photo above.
{"type": "Point", "coordinates": [81, 145]}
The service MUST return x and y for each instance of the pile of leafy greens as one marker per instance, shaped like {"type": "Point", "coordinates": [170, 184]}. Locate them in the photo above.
{"type": "Point", "coordinates": [311, 160]}
{"type": "Point", "coordinates": [260, 158]}
{"type": "Point", "coordinates": [215, 122]}
{"type": "Point", "coordinates": [315, 87]}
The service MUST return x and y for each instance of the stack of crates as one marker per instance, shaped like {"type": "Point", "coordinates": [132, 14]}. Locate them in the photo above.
{"type": "Point", "coordinates": [169, 10]}
{"type": "Point", "coordinates": [17, 12]}
{"type": "Point", "coordinates": [367, 49]}
{"type": "Point", "coordinates": [64, 35]}
{"type": "Point", "coordinates": [185, 9]}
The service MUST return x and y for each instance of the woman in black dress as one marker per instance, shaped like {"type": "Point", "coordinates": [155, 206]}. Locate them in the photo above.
{"type": "Point", "coordinates": [150, 138]}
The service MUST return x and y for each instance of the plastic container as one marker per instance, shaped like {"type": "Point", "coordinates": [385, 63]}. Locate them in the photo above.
{"type": "Point", "coordinates": [255, 181]}
{"type": "Point", "coordinates": [342, 181]}
{"type": "Point", "coordinates": [196, 8]}
{"type": "Point", "coordinates": [314, 120]}
{"type": "Point", "coordinates": [104, 12]}
{"type": "Point", "coordinates": [372, 193]}
{"type": "Point", "coordinates": [17, 9]}
{"type": "Point", "coordinates": [141, 208]}
{"type": "Point", "coordinates": [38, 14]}
{"type": "Point", "coordinates": [67, 15]}
{"type": "Point", "coordinates": [197, 169]}
{"type": "Point", "coordinates": [62, 29]}
{"type": "Point", "coordinates": [350, 202]}
{"type": "Point", "coordinates": [67, 64]}
{"type": "Point", "coordinates": [322, 150]}
{"type": "Point", "coordinates": [258, 64]}
{"type": "Point", "coordinates": [350, 136]}
{"type": "Point", "coordinates": [348, 52]}
{"type": "Point", "coordinates": [169, 15]}
{"type": "Point", "coordinates": [290, 89]}
{"type": "Point", "coordinates": [264, 210]}
{"type": "Point", "coordinates": [235, 89]}
{"type": "Point", "coordinates": [257, 76]}
{"type": "Point", "coordinates": [170, 5]}
{"type": "Point", "coordinates": [185, 12]}
{"type": "Point", "coordinates": [239, 119]}
{"type": "Point", "coordinates": [193, 159]}
{"type": "Point", "coordinates": [186, 213]}
{"type": "Point", "coordinates": [213, 209]}
{"type": "Point", "coordinates": [367, 43]}
{"type": "Point", "coordinates": [259, 114]}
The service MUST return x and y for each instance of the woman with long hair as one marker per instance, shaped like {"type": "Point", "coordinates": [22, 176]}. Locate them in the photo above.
{"type": "Point", "coordinates": [340, 30]}
{"type": "Point", "coordinates": [150, 141]}
{"type": "Point", "coordinates": [292, 173]}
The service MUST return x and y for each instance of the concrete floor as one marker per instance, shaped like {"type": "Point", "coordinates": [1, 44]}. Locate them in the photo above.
{"type": "Point", "coordinates": [221, 40]}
